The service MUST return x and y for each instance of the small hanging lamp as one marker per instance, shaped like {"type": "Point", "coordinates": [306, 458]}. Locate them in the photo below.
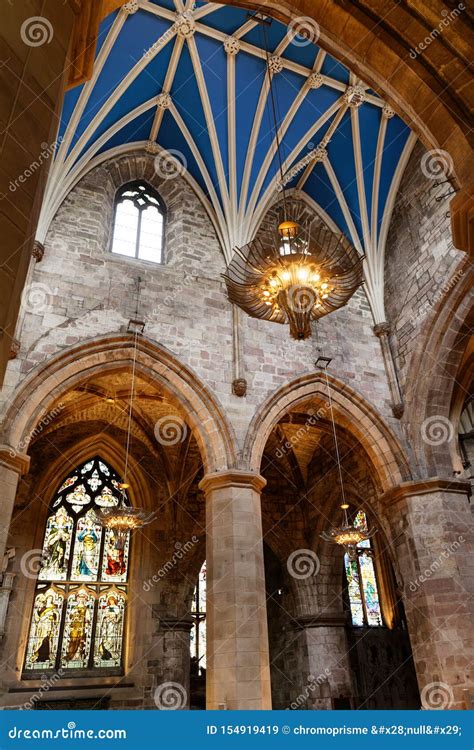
{"type": "Point", "coordinates": [122, 517]}
{"type": "Point", "coordinates": [347, 535]}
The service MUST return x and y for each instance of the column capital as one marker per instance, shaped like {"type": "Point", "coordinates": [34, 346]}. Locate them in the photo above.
{"type": "Point", "coordinates": [176, 624]}
{"type": "Point", "coordinates": [322, 620]}
{"type": "Point", "coordinates": [12, 459]}
{"type": "Point", "coordinates": [232, 478]}
{"type": "Point", "coordinates": [425, 487]}
{"type": "Point", "coordinates": [382, 329]}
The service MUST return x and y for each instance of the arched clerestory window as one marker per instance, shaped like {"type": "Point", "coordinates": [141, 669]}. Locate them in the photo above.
{"type": "Point", "coordinates": [138, 230]}
{"type": "Point", "coordinates": [362, 586]}
{"type": "Point", "coordinates": [77, 622]}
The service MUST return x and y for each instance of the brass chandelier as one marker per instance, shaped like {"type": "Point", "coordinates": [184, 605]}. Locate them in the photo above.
{"type": "Point", "coordinates": [301, 272]}
{"type": "Point", "coordinates": [298, 275]}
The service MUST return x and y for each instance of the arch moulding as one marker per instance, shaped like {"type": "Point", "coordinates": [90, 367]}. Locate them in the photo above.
{"type": "Point", "coordinates": [196, 404]}
{"type": "Point", "coordinates": [351, 412]}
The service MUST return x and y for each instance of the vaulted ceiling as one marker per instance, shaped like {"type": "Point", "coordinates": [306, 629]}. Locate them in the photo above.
{"type": "Point", "coordinates": [191, 80]}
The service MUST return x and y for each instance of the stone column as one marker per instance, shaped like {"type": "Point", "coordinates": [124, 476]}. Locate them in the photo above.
{"type": "Point", "coordinates": [432, 531]}
{"type": "Point", "coordinates": [329, 678]}
{"type": "Point", "coordinates": [238, 673]}
{"type": "Point", "coordinates": [12, 466]}
{"type": "Point", "coordinates": [382, 331]}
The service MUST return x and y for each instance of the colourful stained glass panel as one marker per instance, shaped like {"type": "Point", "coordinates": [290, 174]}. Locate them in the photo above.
{"type": "Point", "coordinates": [115, 559]}
{"type": "Point", "coordinates": [355, 595]}
{"type": "Point", "coordinates": [79, 497]}
{"type": "Point", "coordinates": [85, 561]}
{"type": "Point", "coordinates": [106, 499]}
{"type": "Point", "coordinates": [44, 629]}
{"type": "Point", "coordinates": [94, 482]}
{"type": "Point", "coordinates": [76, 625]}
{"type": "Point", "coordinates": [57, 547]}
{"type": "Point", "coordinates": [78, 629]}
{"type": "Point", "coordinates": [109, 632]}
{"type": "Point", "coordinates": [369, 585]}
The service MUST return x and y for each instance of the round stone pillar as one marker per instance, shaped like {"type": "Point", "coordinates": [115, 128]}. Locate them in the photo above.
{"type": "Point", "coordinates": [238, 672]}
{"type": "Point", "coordinates": [432, 531]}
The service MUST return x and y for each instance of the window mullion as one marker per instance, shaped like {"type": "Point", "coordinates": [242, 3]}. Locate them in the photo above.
{"type": "Point", "coordinates": [139, 228]}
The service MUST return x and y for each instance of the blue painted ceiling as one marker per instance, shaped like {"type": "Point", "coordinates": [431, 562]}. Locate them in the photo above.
{"type": "Point", "coordinates": [218, 120]}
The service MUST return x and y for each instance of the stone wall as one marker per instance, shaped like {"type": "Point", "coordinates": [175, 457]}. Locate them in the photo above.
{"type": "Point", "coordinates": [421, 263]}
{"type": "Point", "coordinates": [80, 290]}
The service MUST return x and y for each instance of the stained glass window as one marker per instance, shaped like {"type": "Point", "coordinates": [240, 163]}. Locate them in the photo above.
{"type": "Point", "coordinates": [138, 223]}
{"type": "Point", "coordinates": [198, 612]}
{"type": "Point", "coordinates": [78, 614]}
{"type": "Point", "coordinates": [362, 586]}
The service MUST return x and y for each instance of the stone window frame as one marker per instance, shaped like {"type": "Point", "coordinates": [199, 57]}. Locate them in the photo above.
{"type": "Point", "coordinates": [163, 210]}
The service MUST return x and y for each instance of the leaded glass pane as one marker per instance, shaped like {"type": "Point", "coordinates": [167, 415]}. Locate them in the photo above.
{"type": "Point", "coordinates": [78, 629]}
{"type": "Point", "coordinates": [57, 547]}
{"type": "Point", "coordinates": [68, 618]}
{"type": "Point", "coordinates": [109, 631]}
{"type": "Point", "coordinates": [355, 594]}
{"type": "Point", "coordinates": [115, 558]}
{"type": "Point", "coordinates": [369, 584]}
{"type": "Point", "coordinates": [44, 629]}
{"type": "Point", "coordinates": [85, 561]}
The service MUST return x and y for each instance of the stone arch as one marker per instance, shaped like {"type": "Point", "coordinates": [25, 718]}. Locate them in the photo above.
{"type": "Point", "coordinates": [434, 370]}
{"type": "Point", "coordinates": [44, 387]}
{"type": "Point", "coordinates": [351, 412]}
